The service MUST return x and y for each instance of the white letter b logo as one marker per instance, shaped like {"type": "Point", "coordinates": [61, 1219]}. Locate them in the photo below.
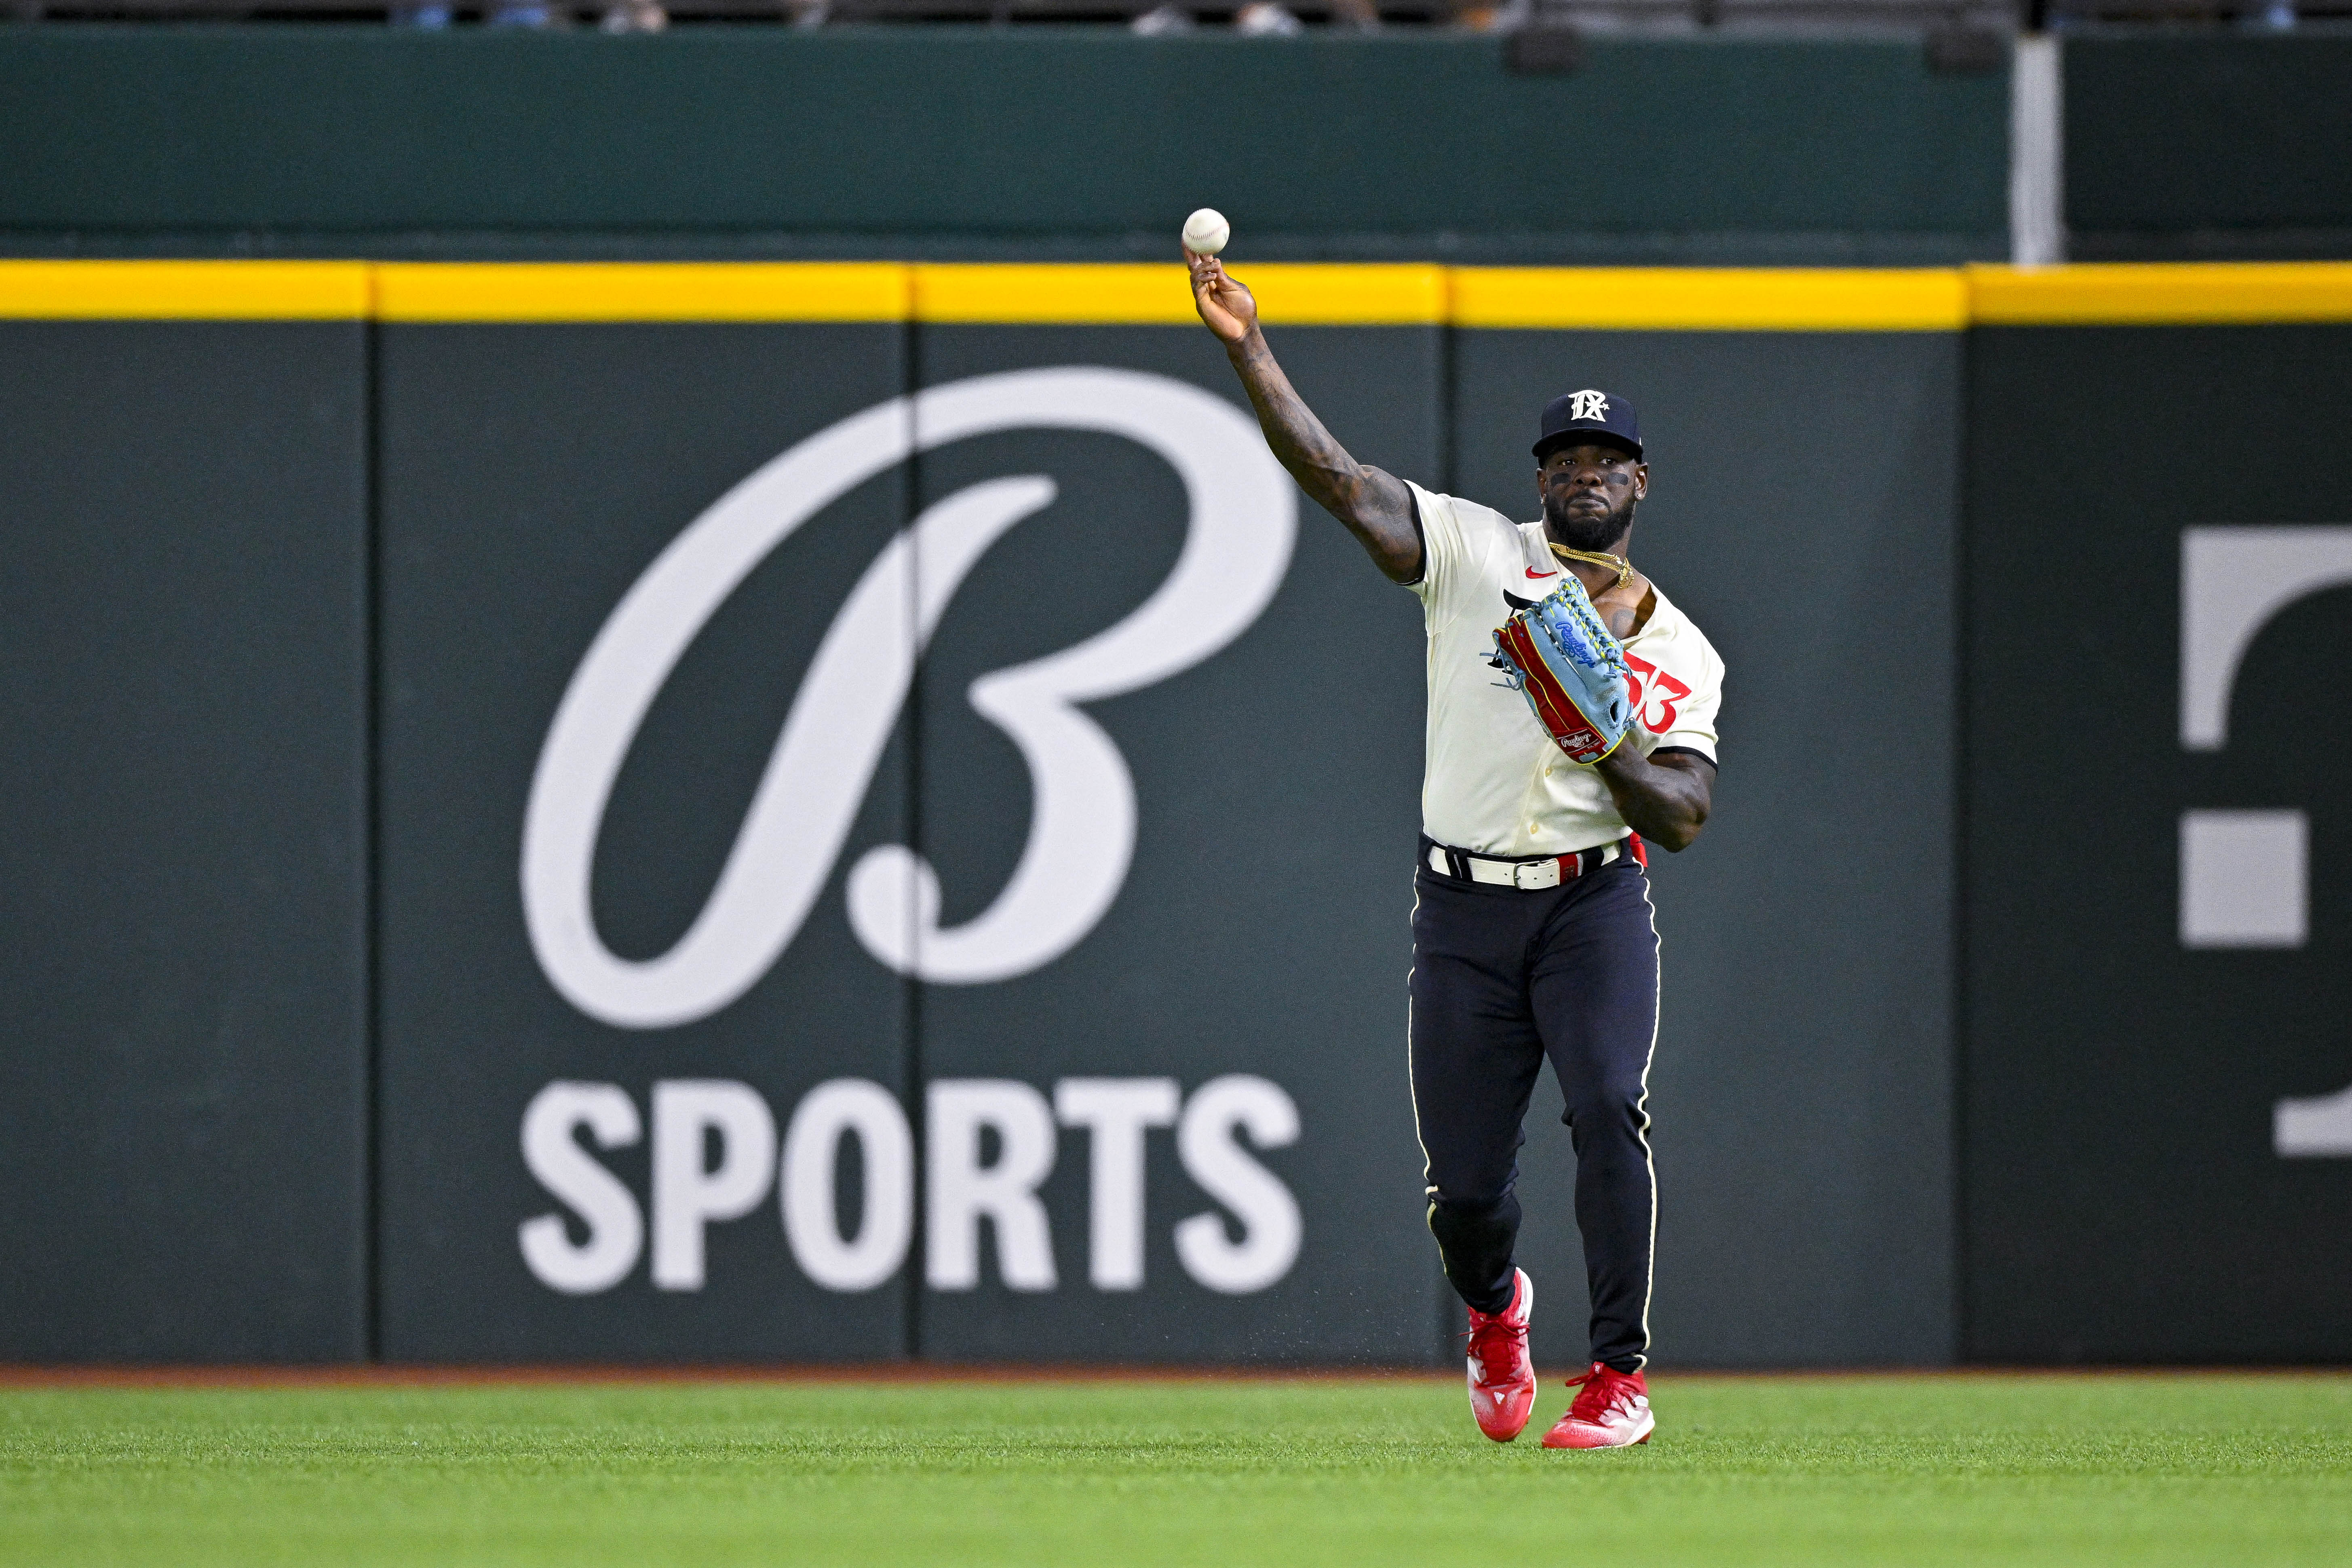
{"type": "Point", "coordinates": [1237, 544]}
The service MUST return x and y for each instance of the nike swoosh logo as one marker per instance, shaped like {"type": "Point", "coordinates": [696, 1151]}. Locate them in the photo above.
{"type": "Point", "coordinates": [1540, 575]}
{"type": "Point", "coordinates": [1517, 603]}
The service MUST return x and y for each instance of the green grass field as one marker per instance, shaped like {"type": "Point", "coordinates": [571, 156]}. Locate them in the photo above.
{"type": "Point", "coordinates": [2206, 1469]}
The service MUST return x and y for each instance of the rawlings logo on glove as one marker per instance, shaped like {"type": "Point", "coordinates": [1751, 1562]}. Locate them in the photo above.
{"type": "Point", "coordinates": [1558, 654]}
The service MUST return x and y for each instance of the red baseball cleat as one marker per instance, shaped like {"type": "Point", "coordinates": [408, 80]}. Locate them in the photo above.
{"type": "Point", "coordinates": [1501, 1378]}
{"type": "Point", "coordinates": [1613, 1411]}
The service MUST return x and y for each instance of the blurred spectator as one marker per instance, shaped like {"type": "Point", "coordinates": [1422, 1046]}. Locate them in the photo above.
{"type": "Point", "coordinates": [1266, 19]}
{"type": "Point", "coordinates": [634, 16]}
{"type": "Point", "coordinates": [527, 13]}
{"type": "Point", "coordinates": [1359, 15]}
{"type": "Point", "coordinates": [431, 14]}
{"type": "Point", "coordinates": [1162, 20]}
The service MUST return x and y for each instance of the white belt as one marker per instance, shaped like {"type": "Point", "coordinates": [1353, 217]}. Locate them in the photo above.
{"type": "Point", "coordinates": [1528, 876]}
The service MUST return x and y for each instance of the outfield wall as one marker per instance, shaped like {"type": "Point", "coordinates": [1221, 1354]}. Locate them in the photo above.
{"type": "Point", "coordinates": [505, 596]}
{"type": "Point", "coordinates": [1031, 143]}
{"type": "Point", "coordinates": [2157, 1131]}
{"type": "Point", "coordinates": [982, 142]}
{"type": "Point", "coordinates": [183, 1167]}
{"type": "Point", "coordinates": [2187, 143]}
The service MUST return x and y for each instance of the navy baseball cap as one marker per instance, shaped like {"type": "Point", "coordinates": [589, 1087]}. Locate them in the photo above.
{"type": "Point", "coordinates": [1588, 416]}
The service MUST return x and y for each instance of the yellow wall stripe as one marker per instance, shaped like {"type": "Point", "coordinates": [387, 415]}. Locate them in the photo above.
{"type": "Point", "coordinates": [1155, 293]}
{"type": "Point", "coordinates": [1708, 298]}
{"type": "Point", "coordinates": [1291, 294]}
{"type": "Point", "coordinates": [1371, 294]}
{"type": "Point", "coordinates": [1141, 293]}
{"type": "Point", "coordinates": [641, 291]}
{"type": "Point", "coordinates": [2137, 294]}
{"type": "Point", "coordinates": [185, 291]}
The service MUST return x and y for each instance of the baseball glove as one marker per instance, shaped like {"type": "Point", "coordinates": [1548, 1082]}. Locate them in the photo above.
{"type": "Point", "coordinates": [1558, 654]}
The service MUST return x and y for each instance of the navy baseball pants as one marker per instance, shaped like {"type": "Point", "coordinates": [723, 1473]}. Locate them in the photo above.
{"type": "Point", "coordinates": [1501, 980]}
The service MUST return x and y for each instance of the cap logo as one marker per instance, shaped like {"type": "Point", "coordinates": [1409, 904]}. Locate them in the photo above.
{"type": "Point", "coordinates": [1592, 405]}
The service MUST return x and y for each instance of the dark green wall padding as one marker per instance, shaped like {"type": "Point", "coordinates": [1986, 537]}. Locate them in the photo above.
{"type": "Point", "coordinates": [882, 141]}
{"type": "Point", "coordinates": [2187, 147]}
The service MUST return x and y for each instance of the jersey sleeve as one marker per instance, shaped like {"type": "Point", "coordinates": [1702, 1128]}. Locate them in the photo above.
{"type": "Point", "coordinates": [1688, 715]}
{"type": "Point", "coordinates": [1446, 548]}
{"type": "Point", "coordinates": [1692, 725]}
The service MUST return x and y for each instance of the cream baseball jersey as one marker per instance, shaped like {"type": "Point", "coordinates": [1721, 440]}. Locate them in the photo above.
{"type": "Point", "coordinates": [1493, 781]}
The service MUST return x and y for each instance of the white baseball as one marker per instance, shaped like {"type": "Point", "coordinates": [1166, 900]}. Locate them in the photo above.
{"type": "Point", "coordinates": [1206, 231]}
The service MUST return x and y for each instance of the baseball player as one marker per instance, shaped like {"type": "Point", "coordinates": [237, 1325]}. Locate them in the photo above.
{"type": "Point", "coordinates": [1572, 720]}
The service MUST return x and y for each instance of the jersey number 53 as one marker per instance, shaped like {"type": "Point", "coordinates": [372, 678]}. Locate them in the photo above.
{"type": "Point", "coordinates": [1652, 686]}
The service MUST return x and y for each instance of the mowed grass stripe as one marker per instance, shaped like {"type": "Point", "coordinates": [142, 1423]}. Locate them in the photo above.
{"type": "Point", "coordinates": [2024, 1470]}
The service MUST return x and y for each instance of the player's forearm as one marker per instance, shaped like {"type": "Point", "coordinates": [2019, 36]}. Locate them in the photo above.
{"type": "Point", "coordinates": [1373, 505]}
{"type": "Point", "coordinates": [1666, 805]}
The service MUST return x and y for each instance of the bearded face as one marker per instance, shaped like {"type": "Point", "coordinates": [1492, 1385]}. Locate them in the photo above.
{"type": "Point", "coordinates": [1589, 495]}
{"type": "Point", "coordinates": [1587, 529]}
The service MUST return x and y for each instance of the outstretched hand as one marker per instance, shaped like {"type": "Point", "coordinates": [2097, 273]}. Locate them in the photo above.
{"type": "Point", "coordinates": [1225, 306]}
{"type": "Point", "coordinates": [1376, 506]}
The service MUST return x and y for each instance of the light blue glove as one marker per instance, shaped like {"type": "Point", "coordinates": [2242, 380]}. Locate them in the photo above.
{"type": "Point", "coordinates": [1560, 657]}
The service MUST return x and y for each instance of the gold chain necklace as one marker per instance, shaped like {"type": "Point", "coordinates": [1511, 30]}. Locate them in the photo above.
{"type": "Point", "coordinates": [1618, 564]}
